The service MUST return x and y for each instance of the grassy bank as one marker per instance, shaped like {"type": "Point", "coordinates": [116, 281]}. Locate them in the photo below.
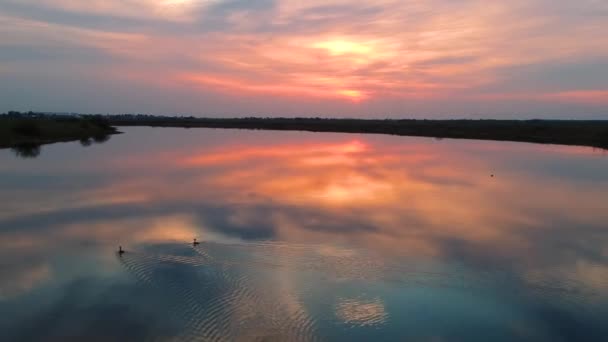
{"type": "Point", "coordinates": [563, 132]}
{"type": "Point", "coordinates": [35, 131]}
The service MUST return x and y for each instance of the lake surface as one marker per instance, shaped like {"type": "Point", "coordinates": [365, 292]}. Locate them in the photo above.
{"type": "Point", "coordinates": [303, 236]}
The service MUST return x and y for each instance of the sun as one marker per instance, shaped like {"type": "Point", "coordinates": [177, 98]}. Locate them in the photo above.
{"type": "Point", "coordinates": [338, 47]}
{"type": "Point", "coordinates": [352, 94]}
{"type": "Point", "coordinates": [181, 10]}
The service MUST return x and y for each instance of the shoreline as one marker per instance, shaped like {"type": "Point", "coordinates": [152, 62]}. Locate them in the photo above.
{"type": "Point", "coordinates": [32, 132]}
{"type": "Point", "coordinates": [592, 133]}
{"type": "Point", "coordinates": [28, 131]}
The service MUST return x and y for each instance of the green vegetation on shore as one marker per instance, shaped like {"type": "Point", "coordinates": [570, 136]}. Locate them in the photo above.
{"type": "Point", "coordinates": [31, 130]}
{"type": "Point", "coordinates": [564, 132]}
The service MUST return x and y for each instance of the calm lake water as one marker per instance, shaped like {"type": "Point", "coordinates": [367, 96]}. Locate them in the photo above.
{"type": "Point", "coordinates": [303, 236]}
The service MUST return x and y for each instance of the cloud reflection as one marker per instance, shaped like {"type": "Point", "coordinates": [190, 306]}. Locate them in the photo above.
{"type": "Point", "coordinates": [409, 198]}
{"type": "Point", "coordinates": [20, 279]}
{"type": "Point", "coordinates": [385, 224]}
{"type": "Point", "coordinates": [361, 312]}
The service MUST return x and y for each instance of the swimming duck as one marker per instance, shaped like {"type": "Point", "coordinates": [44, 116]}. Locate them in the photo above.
{"type": "Point", "coordinates": [195, 243]}
{"type": "Point", "coordinates": [120, 251]}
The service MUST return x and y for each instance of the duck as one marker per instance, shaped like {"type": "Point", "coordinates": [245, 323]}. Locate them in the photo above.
{"type": "Point", "coordinates": [120, 251]}
{"type": "Point", "coordinates": [195, 243]}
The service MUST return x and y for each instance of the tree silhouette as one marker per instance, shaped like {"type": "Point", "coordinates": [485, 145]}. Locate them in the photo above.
{"type": "Point", "coordinates": [26, 150]}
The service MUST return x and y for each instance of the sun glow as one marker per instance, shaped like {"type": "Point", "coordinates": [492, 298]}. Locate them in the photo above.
{"type": "Point", "coordinates": [338, 47]}
{"type": "Point", "coordinates": [324, 88]}
{"type": "Point", "coordinates": [426, 52]}
{"type": "Point", "coordinates": [353, 95]}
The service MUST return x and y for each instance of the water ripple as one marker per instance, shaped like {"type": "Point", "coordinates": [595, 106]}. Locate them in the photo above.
{"type": "Point", "coordinates": [253, 292]}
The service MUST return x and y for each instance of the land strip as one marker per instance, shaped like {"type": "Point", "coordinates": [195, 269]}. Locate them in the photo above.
{"type": "Point", "coordinates": [564, 132]}
{"type": "Point", "coordinates": [32, 130]}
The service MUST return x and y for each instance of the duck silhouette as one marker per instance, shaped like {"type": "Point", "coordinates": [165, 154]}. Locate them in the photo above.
{"type": "Point", "coordinates": [120, 251]}
{"type": "Point", "coordinates": [195, 243]}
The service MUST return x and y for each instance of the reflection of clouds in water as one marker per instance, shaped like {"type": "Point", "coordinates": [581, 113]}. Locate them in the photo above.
{"type": "Point", "coordinates": [18, 280]}
{"type": "Point", "coordinates": [115, 228]}
{"type": "Point", "coordinates": [362, 312]}
{"type": "Point", "coordinates": [415, 199]}
{"type": "Point", "coordinates": [376, 210]}
{"type": "Point", "coordinates": [332, 251]}
{"type": "Point", "coordinates": [582, 276]}
{"type": "Point", "coordinates": [403, 199]}
{"type": "Point", "coordinates": [223, 295]}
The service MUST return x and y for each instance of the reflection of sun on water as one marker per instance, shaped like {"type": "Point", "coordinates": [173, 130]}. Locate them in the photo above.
{"type": "Point", "coordinates": [354, 189]}
{"type": "Point", "coordinates": [354, 146]}
{"type": "Point", "coordinates": [330, 173]}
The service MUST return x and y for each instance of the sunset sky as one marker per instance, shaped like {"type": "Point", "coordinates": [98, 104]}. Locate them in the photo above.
{"type": "Point", "coordinates": [376, 58]}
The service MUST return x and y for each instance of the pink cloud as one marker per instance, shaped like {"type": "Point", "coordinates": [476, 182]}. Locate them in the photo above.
{"type": "Point", "coordinates": [378, 51]}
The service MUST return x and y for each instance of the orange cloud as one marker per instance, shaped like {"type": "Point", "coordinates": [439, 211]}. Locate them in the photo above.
{"type": "Point", "coordinates": [378, 50]}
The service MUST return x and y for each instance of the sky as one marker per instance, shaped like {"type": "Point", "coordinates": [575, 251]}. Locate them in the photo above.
{"type": "Point", "coordinates": [330, 58]}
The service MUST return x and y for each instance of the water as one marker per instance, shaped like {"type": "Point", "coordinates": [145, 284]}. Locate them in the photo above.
{"type": "Point", "coordinates": [303, 236]}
